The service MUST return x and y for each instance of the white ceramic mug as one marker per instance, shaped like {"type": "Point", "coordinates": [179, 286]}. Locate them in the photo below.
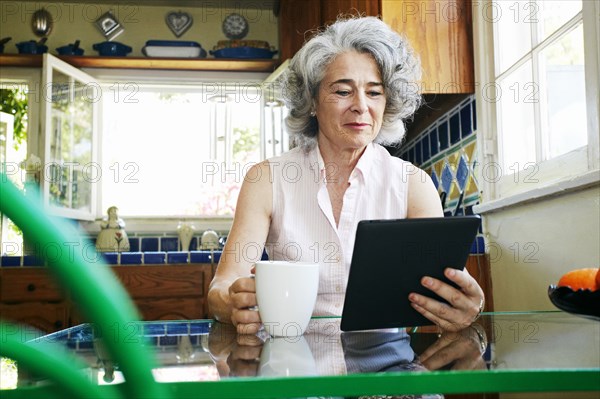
{"type": "Point", "coordinates": [286, 293]}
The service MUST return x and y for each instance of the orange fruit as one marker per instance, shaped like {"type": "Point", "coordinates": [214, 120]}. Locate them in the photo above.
{"type": "Point", "coordinates": [581, 279]}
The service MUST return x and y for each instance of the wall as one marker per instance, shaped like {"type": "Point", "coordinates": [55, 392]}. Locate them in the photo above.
{"type": "Point", "coordinates": [532, 245]}
{"type": "Point", "coordinates": [74, 21]}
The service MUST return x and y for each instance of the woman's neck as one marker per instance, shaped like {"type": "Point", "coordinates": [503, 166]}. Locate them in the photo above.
{"type": "Point", "coordinates": [340, 161]}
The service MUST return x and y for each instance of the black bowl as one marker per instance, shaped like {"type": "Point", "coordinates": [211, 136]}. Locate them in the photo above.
{"type": "Point", "coordinates": [112, 49]}
{"type": "Point", "coordinates": [580, 302]}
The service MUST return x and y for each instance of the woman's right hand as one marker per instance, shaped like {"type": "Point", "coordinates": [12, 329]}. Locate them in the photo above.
{"type": "Point", "coordinates": [244, 316]}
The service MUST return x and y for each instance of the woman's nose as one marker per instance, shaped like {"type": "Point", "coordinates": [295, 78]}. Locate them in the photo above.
{"type": "Point", "coordinates": [359, 103]}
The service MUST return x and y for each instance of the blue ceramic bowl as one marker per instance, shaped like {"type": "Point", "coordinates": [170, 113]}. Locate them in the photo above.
{"type": "Point", "coordinates": [115, 49]}
{"type": "Point", "coordinates": [31, 47]}
{"type": "Point", "coordinates": [69, 49]}
{"type": "Point", "coordinates": [244, 53]}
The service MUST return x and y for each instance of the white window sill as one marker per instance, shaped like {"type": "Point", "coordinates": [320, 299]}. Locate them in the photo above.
{"type": "Point", "coordinates": [166, 225]}
{"type": "Point", "coordinates": [580, 182]}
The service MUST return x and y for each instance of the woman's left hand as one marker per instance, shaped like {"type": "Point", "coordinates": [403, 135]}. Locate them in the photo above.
{"type": "Point", "coordinates": [464, 304]}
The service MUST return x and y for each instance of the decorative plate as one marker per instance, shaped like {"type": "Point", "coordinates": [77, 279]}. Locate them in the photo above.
{"type": "Point", "coordinates": [584, 303]}
{"type": "Point", "coordinates": [235, 26]}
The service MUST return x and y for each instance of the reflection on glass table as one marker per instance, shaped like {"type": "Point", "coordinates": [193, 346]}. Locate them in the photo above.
{"type": "Point", "coordinates": [502, 352]}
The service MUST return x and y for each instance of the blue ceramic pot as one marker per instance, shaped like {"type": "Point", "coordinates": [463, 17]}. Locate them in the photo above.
{"type": "Point", "coordinates": [31, 47]}
{"type": "Point", "coordinates": [69, 49]}
{"type": "Point", "coordinates": [112, 49]}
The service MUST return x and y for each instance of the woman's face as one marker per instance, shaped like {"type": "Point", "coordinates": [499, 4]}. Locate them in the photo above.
{"type": "Point", "coordinates": [351, 101]}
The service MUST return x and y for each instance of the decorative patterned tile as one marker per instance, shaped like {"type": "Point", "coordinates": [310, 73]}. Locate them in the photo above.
{"type": "Point", "coordinates": [435, 180]}
{"type": "Point", "coordinates": [438, 167]}
{"type": "Point", "coordinates": [453, 160]}
{"type": "Point", "coordinates": [447, 178]}
{"type": "Point", "coordinates": [471, 187]}
{"type": "Point", "coordinates": [453, 194]}
{"type": "Point", "coordinates": [470, 151]}
{"type": "Point", "coordinates": [462, 174]}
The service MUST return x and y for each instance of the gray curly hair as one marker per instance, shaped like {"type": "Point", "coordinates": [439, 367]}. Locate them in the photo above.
{"type": "Point", "coordinates": [400, 71]}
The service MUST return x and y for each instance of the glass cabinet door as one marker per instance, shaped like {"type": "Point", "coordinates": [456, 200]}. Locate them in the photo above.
{"type": "Point", "coordinates": [69, 115]}
{"type": "Point", "coordinates": [275, 139]}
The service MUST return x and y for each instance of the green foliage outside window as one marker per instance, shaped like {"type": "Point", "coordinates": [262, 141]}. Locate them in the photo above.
{"type": "Point", "coordinates": [14, 102]}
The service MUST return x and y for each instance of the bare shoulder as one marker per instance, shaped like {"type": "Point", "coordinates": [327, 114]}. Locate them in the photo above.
{"type": "Point", "coordinates": [423, 198]}
{"type": "Point", "coordinates": [257, 188]}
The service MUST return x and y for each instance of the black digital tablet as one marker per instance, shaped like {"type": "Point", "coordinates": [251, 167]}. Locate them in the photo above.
{"type": "Point", "coordinates": [391, 256]}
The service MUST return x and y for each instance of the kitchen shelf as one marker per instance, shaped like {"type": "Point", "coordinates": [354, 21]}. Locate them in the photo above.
{"type": "Point", "coordinates": [204, 64]}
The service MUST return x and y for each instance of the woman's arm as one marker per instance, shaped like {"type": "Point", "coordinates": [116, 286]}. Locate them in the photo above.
{"type": "Point", "coordinates": [465, 303]}
{"type": "Point", "coordinates": [232, 290]}
{"type": "Point", "coordinates": [423, 198]}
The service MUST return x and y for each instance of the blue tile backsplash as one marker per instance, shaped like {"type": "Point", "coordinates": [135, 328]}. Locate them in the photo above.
{"type": "Point", "coordinates": [150, 244]}
{"type": "Point", "coordinates": [447, 151]}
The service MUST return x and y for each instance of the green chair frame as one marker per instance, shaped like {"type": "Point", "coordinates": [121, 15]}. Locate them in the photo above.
{"type": "Point", "coordinates": [101, 297]}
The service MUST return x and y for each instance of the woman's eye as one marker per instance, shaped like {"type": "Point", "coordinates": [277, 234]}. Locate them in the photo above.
{"type": "Point", "coordinates": [374, 93]}
{"type": "Point", "coordinates": [343, 93]}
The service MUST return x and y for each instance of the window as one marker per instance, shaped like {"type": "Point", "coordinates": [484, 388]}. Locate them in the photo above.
{"type": "Point", "coordinates": [69, 111]}
{"type": "Point", "coordinates": [178, 150]}
{"type": "Point", "coordinates": [539, 64]}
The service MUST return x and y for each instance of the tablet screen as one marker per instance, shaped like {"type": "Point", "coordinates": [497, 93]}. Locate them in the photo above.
{"type": "Point", "coordinates": [391, 256]}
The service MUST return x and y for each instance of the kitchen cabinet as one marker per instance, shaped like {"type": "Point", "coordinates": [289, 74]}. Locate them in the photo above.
{"type": "Point", "coordinates": [29, 295]}
{"type": "Point", "coordinates": [440, 32]}
{"type": "Point", "coordinates": [299, 19]}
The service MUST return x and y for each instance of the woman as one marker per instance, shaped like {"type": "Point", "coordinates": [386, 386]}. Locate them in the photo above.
{"type": "Point", "coordinates": [348, 89]}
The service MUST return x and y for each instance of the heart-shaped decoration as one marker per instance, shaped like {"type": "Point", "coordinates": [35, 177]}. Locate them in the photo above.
{"type": "Point", "coordinates": [179, 22]}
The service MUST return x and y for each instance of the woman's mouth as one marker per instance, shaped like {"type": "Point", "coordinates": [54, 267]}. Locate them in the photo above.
{"type": "Point", "coordinates": [357, 125]}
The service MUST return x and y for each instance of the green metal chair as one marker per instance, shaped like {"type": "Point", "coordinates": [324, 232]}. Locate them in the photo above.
{"type": "Point", "coordinates": [101, 298]}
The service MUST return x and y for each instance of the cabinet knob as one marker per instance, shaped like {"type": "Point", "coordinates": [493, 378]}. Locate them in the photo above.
{"type": "Point", "coordinates": [58, 324]}
{"type": "Point", "coordinates": [31, 287]}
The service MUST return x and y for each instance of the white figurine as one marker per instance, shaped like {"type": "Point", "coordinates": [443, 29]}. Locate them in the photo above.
{"type": "Point", "coordinates": [112, 236]}
{"type": "Point", "coordinates": [185, 233]}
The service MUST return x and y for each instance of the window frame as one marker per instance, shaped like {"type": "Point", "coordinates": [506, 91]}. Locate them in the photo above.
{"type": "Point", "coordinates": [573, 170]}
{"type": "Point", "coordinates": [172, 78]}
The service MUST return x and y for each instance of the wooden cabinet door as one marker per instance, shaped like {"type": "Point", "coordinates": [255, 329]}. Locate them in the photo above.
{"type": "Point", "coordinates": [441, 33]}
{"type": "Point", "coordinates": [331, 9]}
{"type": "Point", "coordinates": [34, 317]}
{"type": "Point", "coordinates": [299, 19]}
{"type": "Point", "coordinates": [296, 17]}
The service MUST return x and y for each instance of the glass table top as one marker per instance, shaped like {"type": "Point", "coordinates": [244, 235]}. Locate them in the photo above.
{"type": "Point", "coordinates": [525, 349]}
